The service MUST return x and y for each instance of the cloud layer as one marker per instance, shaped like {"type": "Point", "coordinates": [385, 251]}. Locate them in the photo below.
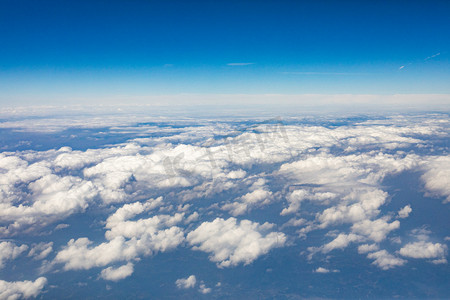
{"type": "Point", "coordinates": [211, 186]}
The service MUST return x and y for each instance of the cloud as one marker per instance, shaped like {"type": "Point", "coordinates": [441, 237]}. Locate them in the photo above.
{"type": "Point", "coordinates": [9, 251]}
{"type": "Point", "coordinates": [322, 73]}
{"type": "Point", "coordinates": [41, 250]}
{"type": "Point", "coordinates": [260, 196]}
{"type": "Point", "coordinates": [351, 178]}
{"type": "Point", "coordinates": [79, 254]}
{"type": "Point", "coordinates": [367, 248]}
{"type": "Point", "coordinates": [230, 242]}
{"type": "Point", "coordinates": [21, 289]}
{"type": "Point", "coordinates": [404, 212]}
{"type": "Point", "coordinates": [50, 197]}
{"type": "Point", "coordinates": [116, 274]}
{"type": "Point", "coordinates": [341, 241]}
{"type": "Point", "coordinates": [422, 249]}
{"type": "Point", "coordinates": [240, 64]}
{"type": "Point", "coordinates": [321, 270]}
{"type": "Point", "coordinates": [336, 172]}
{"type": "Point", "coordinates": [384, 260]}
{"type": "Point", "coordinates": [127, 240]}
{"type": "Point", "coordinates": [298, 196]}
{"type": "Point", "coordinates": [203, 289]}
{"type": "Point", "coordinates": [61, 226]}
{"type": "Point", "coordinates": [432, 56]}
{"type": "Point", "coordinates": [427, 58]}
{"type": "Point", "coordinates": [375, 230]}
{"type": "Point", "coordinates": [437, 177]}
{"type": "Point", "coordinates": [186, 283]}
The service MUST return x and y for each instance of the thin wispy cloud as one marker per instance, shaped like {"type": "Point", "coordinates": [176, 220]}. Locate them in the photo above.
{"type": "Point", "coordinates": [240, 64]}
{"type": "Point", "coordinates": [321, 73]}
{"type": "Point", "coordinates": [425, 59]}
{"type": "Point", "coordinates": [432, 56]}
{"type": "Point", "coordinates": [404, 66]}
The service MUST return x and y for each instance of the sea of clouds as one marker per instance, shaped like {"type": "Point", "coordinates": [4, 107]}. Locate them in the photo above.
{"type": "Point", "coordinates": [196, 183]}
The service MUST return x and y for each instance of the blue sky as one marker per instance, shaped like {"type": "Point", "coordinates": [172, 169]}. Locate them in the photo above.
{"type": "Point", "coordinates": [57, 51]}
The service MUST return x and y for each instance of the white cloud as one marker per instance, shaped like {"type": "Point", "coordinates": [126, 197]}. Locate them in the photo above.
{"type": "Point", "coordinates": [239, 64]}
{"type": "Point", "coordinates": [404, 212]}
{"type": "Point", "coordinates": [298, 196]}
{"type": "Point", "coordinates": [321, 270]}
{"type": "Point", "coordinates": [238, 174]}
{"type": "Point", "coordinates": [9, 251]}
{"type": "Point", "coordinates": [421, 234]}
{"type": "Point", "coordinates": [116, 274]}
{"type": "Point", "coordinates": [439, 261]}
{"type": "Point", "coordinates": [367, 248]}
{"type": "Point", "coordinates": [50, 198]}
{"type": "Point", "coordinates": [344, 188]}
{"type": "Point", "coordinates": [61, 226]}
{"type": "Point", "coordinates": [385, 261]}
{"type": "Point", "coordinates": [41, 250]}
{"type": "Point", "coordinates": [375, 230]}
{"type": "Point", "coordinates": [186, 283]}
{"type": "Point", "coordinates": [341, 241]}
{"type": "Point", "coordinates": [424, 249]}
{"type": "Point", "coordinates": [256, 198]}
{"type": "Point", "coordinates": [127, 239]}
{"type": "Point", "coordinates": [437, 177]}
{"type": "Point", "coordinates": [432, 56]}
{"type": "Point", "coordinates": [231, 243]}
{"type": "Point", "coordinates": [352, 179]}
{"type": "Point", "coordinates": [78, 254]}
{"type": "Point", "coordinates": [203, 289]}
{"type": "Point", "coordinates": [149, 103]}
{"type": "Point", "coordinates": [21, 289]}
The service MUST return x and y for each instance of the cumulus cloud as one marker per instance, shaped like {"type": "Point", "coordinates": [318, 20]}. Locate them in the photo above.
{"type": "Point", "coordinates": [127, 239]}
{"type": "Point", "coordinates": [422, 249]}
{"type": "Point", "coordinates": [116, 274]}
{"type": "Point", "coordinates": [190, 282]}
{"type": "Point", "coordinates": [298, 196]}
{"type": "Point", "coordinates": [41, 250]}
{"type": "Point", "coordinates": [230, 242]}
{"type": "Point", "coordinates": [404, 212]}
{"type": "Point", "coordinates": [258, 197]}
{"type": "Point", "coordinates": [335, 171]}
{"type": "Point", "coordinates": [51, 198]}
{"type": "Point", "coordinates": [61, 226]}
{"type": "Point", "coordinates": [324, 270]}
{"type": "Point", "coordinates": [203, 289]}
{"type": "Point", "coordinates": [376, 230]}
{"type": "Point", "coordinates": [10, 251]}
{"type": "Point", "coordinates": [321, 270]}
{"type": "Point", "coordinates": [186, 283]}
{"type": "Point", "coordinates": [364, 248]}
{"type": "Point", "coordinates": [385, 260]}
{"type": "Point", "coordinates": [21, 289]}
{"type": "Point", "coordinates": [341, 241]}
{"type": "Point", "coordinates": [437, 177]}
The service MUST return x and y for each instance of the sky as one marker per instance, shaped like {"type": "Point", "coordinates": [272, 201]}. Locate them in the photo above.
{"type": "Point", "coordinates": [69, 52]}
{"type": "Point", "coordinates": [307, 156]}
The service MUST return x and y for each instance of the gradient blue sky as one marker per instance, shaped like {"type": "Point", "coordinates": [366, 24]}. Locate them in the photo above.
{"type": "Point", "coordinates": [54, 51]}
